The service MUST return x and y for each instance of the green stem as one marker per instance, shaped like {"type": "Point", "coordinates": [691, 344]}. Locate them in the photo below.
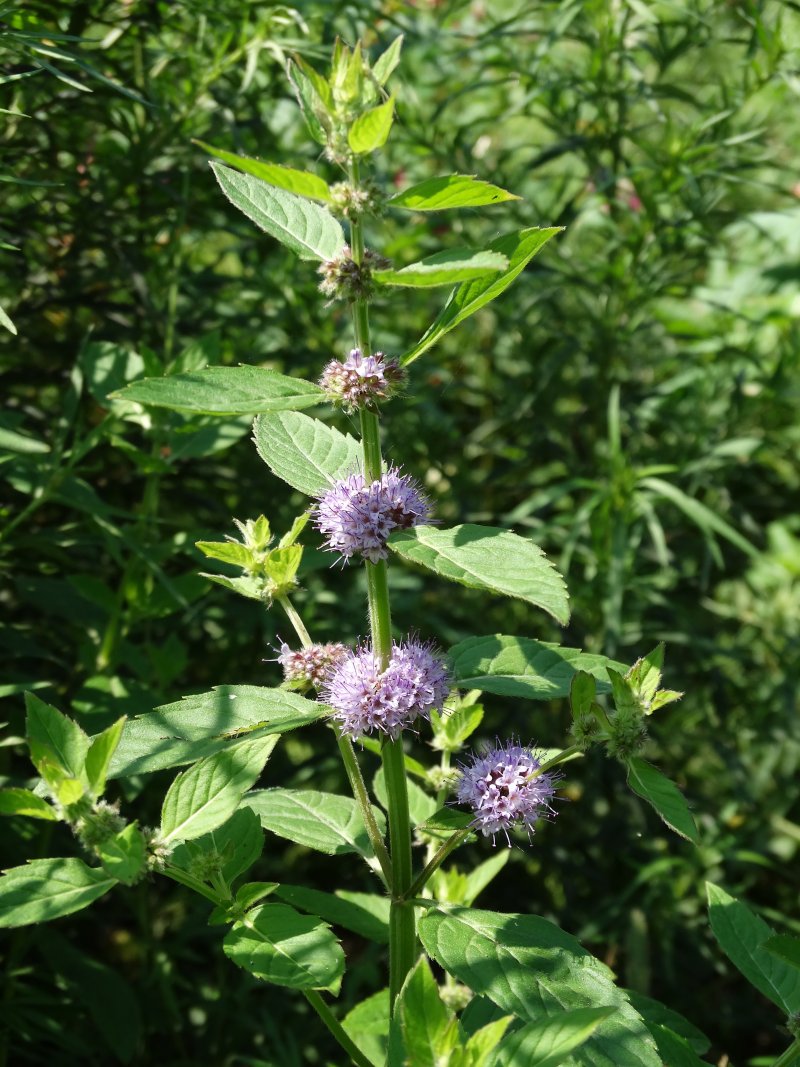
{"type": "Point", "coordinates": [402, 920]}
{"type": "Point", "coordinates": [790, 1057]}
{"type": "Point", "coordinates": [295, 620]}
{"type": "Point", "coordinates": [567, 753]}
{"type": "Point", "coordinates": [336, 1028]}
{"type": "Point", "coordinates": [435, 863]}
{"type": "Point", "coordinates": [192, 883]}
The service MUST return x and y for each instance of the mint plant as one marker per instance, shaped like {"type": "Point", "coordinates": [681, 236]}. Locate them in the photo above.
{"type": "Point", "coordinates": [517, 990]}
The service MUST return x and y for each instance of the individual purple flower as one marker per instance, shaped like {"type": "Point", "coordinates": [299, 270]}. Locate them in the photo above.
{"type": "Point", "coordinates": [501, 789]}
{"type": "Point", "coordinates": [361, 381]}
{"type": "Point", "coordinates": [366, 699]}
{"type": "Point", "coordinates": [306, 667]}
{"type": "Point", "coordinates": [357, 517]}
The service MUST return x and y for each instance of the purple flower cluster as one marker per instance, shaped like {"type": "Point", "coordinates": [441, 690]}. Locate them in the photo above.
{"type": "Point", "coordinates": [500, 789]}
{"type": "Point", "coordinates": [357, 517]}
{"type": "Point", "coordinates": [307, 667]}
{"type": "Point", "coordinates": [361, 381]}
{"type": "Point", "coordinates": [366, 699]}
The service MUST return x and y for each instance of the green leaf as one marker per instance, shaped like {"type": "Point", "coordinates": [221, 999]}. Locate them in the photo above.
{"type": "Point", "coordinates": [47, 889]}
{"type": "Point", "coordinates": [673, 1049]}
{"type": "Point", "coordinates": [368, 1025]}
{"type": "Point", "coordinates": [310, 231]}
{"type": "Point", "coordinates": [24, 802]}
{"type": "Point", "coordinates": [483, 557]}
{"type": "Point", "coordinates": [54, 740]}
{"type": "Point", "coordinates": [481, 1047]}
{"type": "Point", "coordinates": [703, 517]}
{"type": "Point", "coordinates": [522, 667]}
{"type": "Point", "coordinates": [371, 129]}
{"type": "Point", "coordinates": [276, 943]}
{"type": "Point", "coordinates": [323, 821]}
{"type": "Point", "coordinates": [304, 452]}
{"type": "Point", "coordinates": [582, 693]}
{"type": "Point", "coordinates": [426, 1032]}
{"type": "Point", "coordinates": [297, 528]}
{"type": "Point", "coordinates": [100, 754]}
{"type": "Point", "coordinates": [655, 1013]}
{"type": "Point", "coordinates": [469, 297]}
{"type": "Point", "coordinates": [225, 391]}
{"type": "Point", "coordinates": [444, 268]}
{"type": "Point", "coordinates": [123, 855]}
{"type": "Point", "coordinates": [238, 843]}
{"type": "Point", "coordinates": [301, 182]}
{"type": "Point", "coordinates": [201, 725]}
{"type": "Point", "coordinates": [386, 62]}
{"type": "Point", "coordinates": [313, 96]}
{"type": "Point", "coordinates": [454, 190]}
{"type": "Point", "coordinates": [366, 914]}
{"type": "Point", "coordinates": [743, 936]}
{"type": "Point", "coordinates": [233, 552]}
{"type": "Point", "coordinates": [485, 873]}
{"type": "Point", "coordinates": [529, 967]}
{"type": "Point", "coordinates": [444, 822]}
{"type": "Point", "coordinates": [664, 796]}
{"type": "Point", "coordinates": [5, 320]}
{"type": "Point", "coordinates": [252, 588]}
{"type": "Point", "coordinates": [452, 728]}
{"type": "Point", "coordinates": [205, 796]}
{"type": "Point", "coordinates": [548, 1043]}
{"type": "Point", "coordinates": [784, 947]}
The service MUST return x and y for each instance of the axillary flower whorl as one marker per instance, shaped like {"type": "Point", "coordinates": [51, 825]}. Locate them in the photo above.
{"type": "Point", "coordinates": [366, 699]}
{"type": "Point", "coordinates": [357, 518]}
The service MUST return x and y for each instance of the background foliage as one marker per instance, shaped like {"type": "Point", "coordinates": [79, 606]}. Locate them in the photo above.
{"type": "Point", "coordinates": [632, 406]}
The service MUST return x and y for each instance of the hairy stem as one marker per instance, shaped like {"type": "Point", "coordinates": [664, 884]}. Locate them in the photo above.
{"type": "Point", "coordinates": [790, 1058]}
{"type": "Point", "coordinates": [402, 921]}
{"type": "Point", "coordinates": [336, 1028]}
{"type": "Point", "coordinates": [295, 620]}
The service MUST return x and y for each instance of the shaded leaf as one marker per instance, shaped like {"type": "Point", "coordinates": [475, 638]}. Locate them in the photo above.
{"type": "Point", "coordinates": [304, 452]}
{"type": "Point", "coordinates": [549, 1042]}
{"type": "Point", "coordinates": [47, 889]}
{"type": "Point", "coordinates": [366, 914]}
{"type": "Point", "coordinates": [24, 802]}
{"type": "Point", "coordinates": [323, 821]}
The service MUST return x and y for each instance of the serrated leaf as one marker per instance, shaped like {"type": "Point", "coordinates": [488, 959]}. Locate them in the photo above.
{"type": "Point", "coordinates": [322, 821]}
{"type": "Point", "coordinates": [312, 94]}
{"type": "Point", "coordinates": [47, 889]}
{"type": "Point", "coordinates": [371, 129]}
{"type": "Point", "coordinates": [664, 796]}
{"type": "Point", "coordinates": [276, 943]}
{"type": "Point", "coordinates": [24, 802]}
{"type": "Point", "coordinates": [451, 191]}
{"type": "Point", "coordinates": [483, 557]}
{"type": "Point", "coordinates": [55, 741]}
{"type": "Point", "coordinates": [304, 452]}
{"type": "Point", "coordinates": [238, 843]}
{"type": "Point", "coordinates": [522, 667]}
{"type": "Point", "coordinates": [205, 796]}
{"type": "Point", "coordinates": [225, 391]}
{"type": "Point", "coordinates": [529, 967]}
{"type": "Point", "coordinates": [366, 914]}
{"type": "Point", "coordinates": [444, 268]}
{"type": "Point", "coordinates": [252, 588]}
{"type": "Point", "coordinates": [123, 854]}
{"type": "Point", "coordinates": [425, 1031]}
{"type": "Point", "coordinates": [548, 1043]}
{"type": "Point", "coordinates": [368, 1025]}
{"type": "Point", "coordinates": [100, 754]}
{"type": "Point", "coordinates": [655, 1013]}
{"type": "Point", "coordinates": [301, 182]}
{"type": "Point", "coordinates": [387, 61]}
{"type": "Point", "coordinates": [310, 231]}
{"type": "Point", "coordinates": [452, 728]}
{"type": "Point", "coordinates": [233, 552]}
{"type": "Point", "coordinates": [743, 935]}
{"type": "Point", "coordinates": [201, 725]}
{"type": "Point", "coordinates": [674, 1049]}
{"type": "Point", "coordinates": [469, 297]}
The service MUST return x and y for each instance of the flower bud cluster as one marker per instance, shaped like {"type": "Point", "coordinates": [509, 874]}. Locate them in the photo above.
{"type": "Point", "coordinates": [102, 822]}
{"type": "Point", "coordinates": [627, 733]}
{"type": "Point", "coordinates": [353, 201]}
{"type": "Point", "coordinates": [368, 699]}
{"type": "Point", "coordinates": [361, 381]}
{"type": "Point", "coordinates": [357, 518]}
{"type": "Point", "coordinates": [344, 279]}
{"type": "Point", "coordinates": [307, 668]}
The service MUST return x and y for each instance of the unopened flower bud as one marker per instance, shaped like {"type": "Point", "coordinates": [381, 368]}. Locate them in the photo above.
{"type": "Point", "coordinates": [362, 381]}
{"type": "Point", "coordinates": [628, 734]}
{"type": "Point", "coordinates": [305, 668]}
{"type": "Point", "coordinates": [353, 201]}
{"type": "Point", "coordinates": [344, 279]}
